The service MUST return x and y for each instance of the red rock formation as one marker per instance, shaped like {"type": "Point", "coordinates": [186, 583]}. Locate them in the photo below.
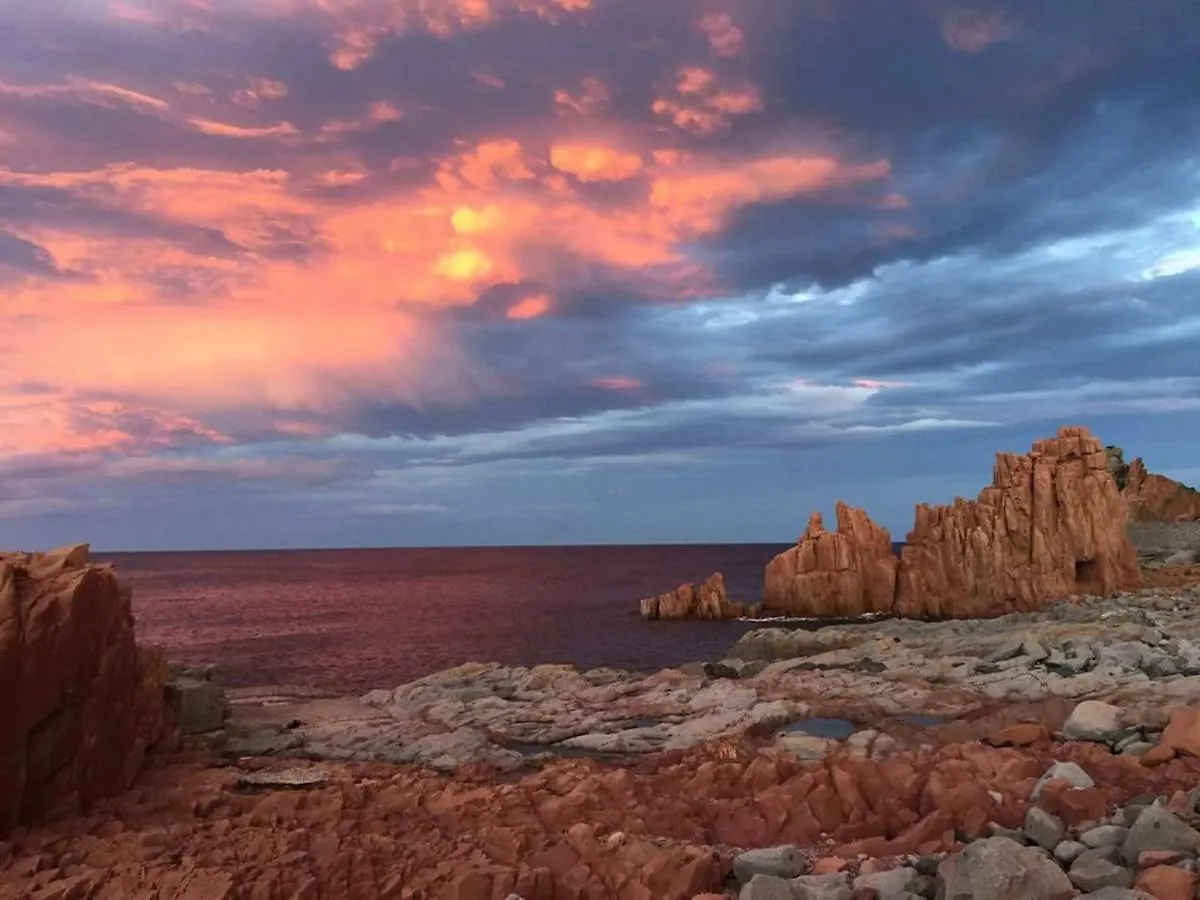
{"type": "Point", "coordinates": [847, 572]}
{"type": "Point", "coordinates": [80, 702]}
{"type": "Point", "coordinates": [662, 829]}
{"type": "Point", "coordinates": [1151, 497]}
{"type": "Point", "coordinates": [708, 601]}
{"type": "Point", "coordinates": [1051, 524]}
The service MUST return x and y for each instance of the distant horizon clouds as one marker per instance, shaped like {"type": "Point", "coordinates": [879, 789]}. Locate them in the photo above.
{"type": "Point", "coordinates": [378, 272]}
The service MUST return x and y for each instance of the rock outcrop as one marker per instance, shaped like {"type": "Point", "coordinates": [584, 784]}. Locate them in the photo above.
{"type": "Point", "coordinates": [1151, 497]}
{"type": "Point", "coordinates": [1051, 524]}
{"type": "Point", "coordinates": [80, 701]}
{"type": "Point", "coordinates": [848, 572]}
{"type": "Point", "coordinates": [705, 601]}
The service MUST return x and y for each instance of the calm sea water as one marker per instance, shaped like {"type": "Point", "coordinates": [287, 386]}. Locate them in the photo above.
{"type": "Point", "coordinates": [352, 620]}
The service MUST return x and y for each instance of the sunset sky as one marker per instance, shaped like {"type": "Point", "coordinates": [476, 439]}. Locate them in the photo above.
{"type": "Point", "coordinates": [292, 273]}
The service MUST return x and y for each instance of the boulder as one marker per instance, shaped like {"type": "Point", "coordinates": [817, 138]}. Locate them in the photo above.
{"type": "Point", "coordinates": [688, 601]}
{"type": "Point", "coordinates": [999, 868]}
{"type": "Point", "coordinates": [1051, 524]}
{"type": "Point", "coordinates": [1151, 497]}
{"type": "Point", "coordinates": [81, 703]}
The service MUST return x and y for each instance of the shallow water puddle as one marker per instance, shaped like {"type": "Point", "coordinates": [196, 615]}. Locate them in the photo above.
{"type": "Point", "coordinates": [817, 726]}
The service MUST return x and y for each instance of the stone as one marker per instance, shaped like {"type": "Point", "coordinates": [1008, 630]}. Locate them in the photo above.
{"type": "Point", "coordinates": [835, 886]}
{"type": "Point", "coordinates": [1066, 852]}
{"type": "Point", "coordinates": [1043, 829]}
{"type": "Point", "coordinates": [766, 887]}
{"type": "Point", "coordinates": [1167, 883]}
{"type": "Point", "coordinates": [1104, 836]}
{"type": "Point", "coordinates": [1093, 720]}
{"type": "Point", "coordinates": [1182, 733]}
{"type": "Point", "coordinates": [1157, 828]}
{"type": "Point", "coordinates": [847, 572]}
{"type": "Point", "coordinates": [785, 861]}
{"type": "Point", "coordinates": [890, 884]}
{"type": "Point", "coordinates": [1002, 869]}
{"type": "Point", "coordinates": [199, 704]}
{"type": "Point", "coordinates": [70, 668]}
{"type": "Point", "coordinates": [1069, 772]}
{"type": "Point", "coordinates": [1050, 525]}
{"type": "Point", "coordinates": [1115, 893]}
{"type": "Point", "coordinates": [1090, 873]}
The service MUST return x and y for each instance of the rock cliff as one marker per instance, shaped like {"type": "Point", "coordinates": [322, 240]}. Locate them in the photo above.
{"type": "Point", "coordinates": [706, 601]}
{"type": "Point", "coordinates": [1051, 524]}
{"type": "Point", "coordinates": [848, 572]}
{"type": "Point", "coordinates": [1151, 497]}
{"type": "Point", "coordinates": [80, 701]}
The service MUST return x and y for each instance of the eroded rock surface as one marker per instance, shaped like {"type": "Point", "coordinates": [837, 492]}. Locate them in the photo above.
{"type": "Point", "coordinates": [1151, 497]}
{"type": "Point", "coordinates": [80, 702]}
{"type": "Point", "coordinates": [688, 601]}
{"type": "Point", "coordinates": [1051, 524]}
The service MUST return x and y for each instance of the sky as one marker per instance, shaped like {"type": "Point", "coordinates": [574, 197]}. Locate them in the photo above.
{"type": "Point", "coordinates": [300, 273]}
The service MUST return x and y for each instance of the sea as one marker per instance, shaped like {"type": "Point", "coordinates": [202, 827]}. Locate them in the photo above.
{"type": "Point", "coordinates": [353, 620]}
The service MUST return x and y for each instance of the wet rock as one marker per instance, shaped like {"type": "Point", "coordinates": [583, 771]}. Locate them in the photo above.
{"type": "Point", "coordinates": [784, 861]}
{"type": "Point", "coordinates": [1001, 869]}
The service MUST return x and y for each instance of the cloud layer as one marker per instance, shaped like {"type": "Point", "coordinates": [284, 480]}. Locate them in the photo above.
{"type": "Point", "coordinates": [300, 272]}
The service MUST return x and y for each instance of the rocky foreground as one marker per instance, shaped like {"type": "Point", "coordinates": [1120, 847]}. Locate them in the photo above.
{"type": "Point", "coordinates": [1035, 755]}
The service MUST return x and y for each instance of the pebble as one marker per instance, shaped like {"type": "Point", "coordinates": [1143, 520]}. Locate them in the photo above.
{"type": "Point", "coordinates": [785, 861]}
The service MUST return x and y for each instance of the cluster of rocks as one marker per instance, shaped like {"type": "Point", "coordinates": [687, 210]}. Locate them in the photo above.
{"type": "Point", "coordinates": [688, 601]}
{"type": "Point", "coordinates": [1051, 524]}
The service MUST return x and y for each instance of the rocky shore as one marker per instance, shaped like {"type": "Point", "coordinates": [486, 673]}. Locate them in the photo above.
{"type": "Point", "coordinates": [1046, 746]}
{"type": "Point", "coordinates": [1044, 754]}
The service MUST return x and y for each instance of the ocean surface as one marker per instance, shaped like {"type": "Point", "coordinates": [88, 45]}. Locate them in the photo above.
{"type": "Point", "coordinates": [351, 620]}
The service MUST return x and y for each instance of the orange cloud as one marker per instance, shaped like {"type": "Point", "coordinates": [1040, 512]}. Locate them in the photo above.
{"type": "Point", "coordinates": [256, 90]}
{"type": "Point", "coordinates": [223, 129]}
{"type": "Point", "coordinates": [530, 308]}
{"type": "Point", "coordinates": [360, 25]}
{"type": "Point", "coordinates": [703, 104]}
{"type": "Point", "coordinates": [724, 37]}
{"type": "Point", "coordinates": [618, 383]}
{"type": "Point", "coordinates": [85, 90]}
{"type": "Point", "coordinates": [595, 163]}
{"type": "Point", "coordinates": [592, 96]}
{"type": "Point", "coordinates": [378, 113]}
{"type": "Point", "coordinates": [973, 31]}
{"type": "Point", "coordinates": [487, 80]}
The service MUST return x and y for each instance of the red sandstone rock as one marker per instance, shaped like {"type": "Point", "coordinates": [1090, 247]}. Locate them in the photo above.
{"type": "Point", "coordinates": [80, 702]}
{"type": "Point", "coordinates": [1151, 497]}
{"type": "Point", "coordinates": [707, 601]}
{"type": "Point", "coordinates": [1182, 733]}
{"type": "Point", "coordinates": [1020, 735]}
{"type": "Point", "coordinates": [1166, 883]}
{"type": "Point", "coordinates": [1051, 524]}
{"type": "Point", "coordinates": [847, 572]}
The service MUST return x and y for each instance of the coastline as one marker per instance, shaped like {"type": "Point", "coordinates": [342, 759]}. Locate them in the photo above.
{"type": "Point", "coordinates": [547, 782]}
